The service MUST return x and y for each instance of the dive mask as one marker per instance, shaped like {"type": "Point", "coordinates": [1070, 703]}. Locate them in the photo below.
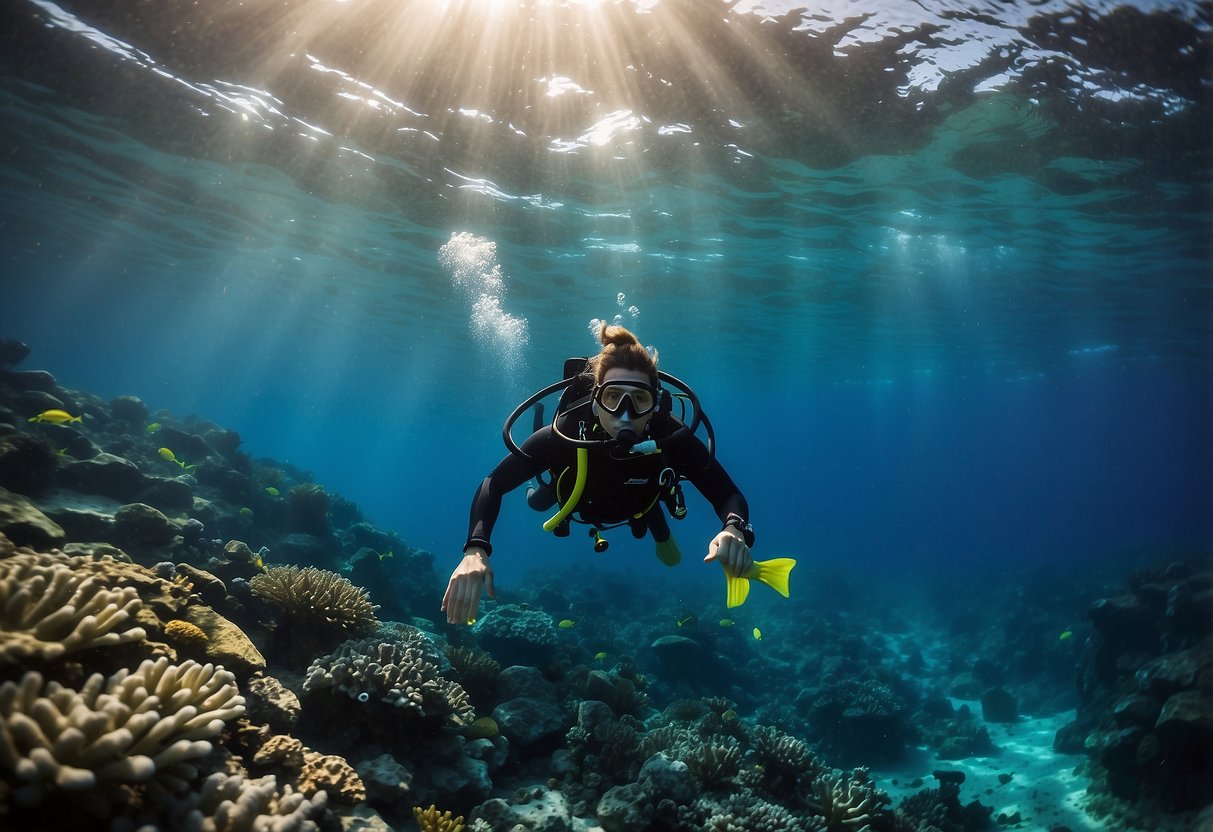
{"type": "Point", "coordinates": [626, 398]}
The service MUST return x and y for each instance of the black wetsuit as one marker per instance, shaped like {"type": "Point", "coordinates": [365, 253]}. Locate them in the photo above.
{"type": "Point", "coordinates": [619, 485]}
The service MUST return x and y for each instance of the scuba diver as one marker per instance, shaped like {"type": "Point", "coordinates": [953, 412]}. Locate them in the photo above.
{"type": "Point", "coordinates": [614, 456]}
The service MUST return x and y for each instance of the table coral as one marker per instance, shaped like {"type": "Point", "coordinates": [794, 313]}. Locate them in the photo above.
{"type": "Point", "coordinates": [316, 594]}
{"type": "Point", "coordinates": [130, 728]}
{"type": "Point", "coordinates": [48, 609]}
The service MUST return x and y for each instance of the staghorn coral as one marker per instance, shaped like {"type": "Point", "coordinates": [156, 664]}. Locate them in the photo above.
{"type": "Point", "coordinates": [48, 609]}
{"type": "Point", "coordinates": [848, 801]}
{"type": "Point", "coordinates": [404, 673]}
{"type": "Point", "coordinates": [129, 728]}
{"type": "Point", "coordinates": [431, 820]}
{"type": "Point", "coordinates": [317, 596]}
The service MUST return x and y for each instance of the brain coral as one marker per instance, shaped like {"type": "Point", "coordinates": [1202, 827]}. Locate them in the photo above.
{"type": "Point", "coordinates": [127, 729]}
{"type": "Point", "coordinates": [48, 609]}
{"type": "Point", "coordinates": [403, 673]}
{"type": "Point", "coordinates": [317, 594]}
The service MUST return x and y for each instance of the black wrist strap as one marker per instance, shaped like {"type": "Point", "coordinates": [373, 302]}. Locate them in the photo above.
{"type": "Point", "coordinates": [742, 525]}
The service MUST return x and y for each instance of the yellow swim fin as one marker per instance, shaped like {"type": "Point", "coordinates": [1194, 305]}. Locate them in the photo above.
{"type": "Point", "coordinates": [668, 552]}
{"type": "Point", "coordinates": [774, 573]}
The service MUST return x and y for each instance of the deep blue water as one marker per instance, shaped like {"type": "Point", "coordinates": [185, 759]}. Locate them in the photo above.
{"type": "Point", "coordinates": [940, 273]}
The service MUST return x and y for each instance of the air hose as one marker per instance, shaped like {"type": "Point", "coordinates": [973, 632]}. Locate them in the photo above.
{"type": "Point", "coordinates": [583, 468]}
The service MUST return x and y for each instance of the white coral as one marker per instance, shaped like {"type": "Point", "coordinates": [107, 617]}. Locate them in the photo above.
{"type": "Point", "coordinates": [129, 728]}
{"type": "Point", "coordinates": [49, 609]}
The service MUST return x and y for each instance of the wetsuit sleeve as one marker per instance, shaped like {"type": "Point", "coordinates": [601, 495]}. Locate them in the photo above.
{"type": "Point", "coordinates": [691, 460]}
{"type": "Point", "coordinates": [543, 449]}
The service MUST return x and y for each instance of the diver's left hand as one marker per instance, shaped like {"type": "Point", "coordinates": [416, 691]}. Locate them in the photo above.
{"type": "Point", "coordinates": [729, 550]}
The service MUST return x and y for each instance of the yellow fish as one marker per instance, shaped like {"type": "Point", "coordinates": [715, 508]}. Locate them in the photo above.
{"type": "Point", "coordinates": [385, 555]}
{"type": "Point", "coordinates": [1065, 635]}
{"type": "Point", "coordinates": [273, 492]}
{"type": "Point", "coordinates": [727, 622]}
{"type": "Point", "coordinates": [729, 715]}
{"type": "Point", "coordinates": [169, 455]}
{"type": "Point", "coordinates": [259, 562]}
{"type": "Point", "coordinates": [600, 655]}
{"type": "Point", "coordinates": [246, 512]}
{"type": "Point", "coordinates": [153, 427]}
{"type": "Point", "coordinates": [56, 417]}
{"type": "Point", "coordinates": [567, 624]}
{"type": "Point", "coordinates": [757, 634]}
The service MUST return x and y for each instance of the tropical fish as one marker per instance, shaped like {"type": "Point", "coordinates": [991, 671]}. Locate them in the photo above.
{"type": "Point", "coordinates": [56, 417]}
{"type": "Point", "coordinates": [1065, 635]}
{"type": "Point", "coordinates": [481, 728]}
{"type": "Point", "coordinates": [600, 655]}
{"type": "Point", "coordinates": [259, 562]}
{"type": "Point", "coordinates": [385, 555]}
{"type": "Point", "coordinates": [273, 492]}
{"type": "Point", "coordinates": [727, 622]}
{"type": "Point", "coordinates": [153, 427]}
{"type": "Point", "coordinates": [682, 622]}
{"type": "Point", "coordinates": [567, 624]}
{"type": "Point", "coordinates": [246, 512]}
{"type": "Point", "coordinates": [757, 634]}
{"type": "Point", "coordinates": [729, 715]}
{"type": "Point", "coordinates": [773, 573]}
{"type": "Point", "coordinates": [169, 455]}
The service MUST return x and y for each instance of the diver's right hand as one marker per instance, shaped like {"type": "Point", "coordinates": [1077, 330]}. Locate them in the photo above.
{"type": "Point", "coordinates": [463, 590]}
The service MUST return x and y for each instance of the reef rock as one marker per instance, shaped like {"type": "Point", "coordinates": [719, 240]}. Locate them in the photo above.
{"type": "Point", "coordinates": [517, 635]}
{"type": "Point", "coordinates": [531, 710]}
{"type": "Point", "coordinates": [332, 775]}
{"type": "Point", "coordinates": [272, 703]}
{"type": "Point", "coordinates": [12, 353]}
{"type": "Point", "coordinates": [24, 524]}
{"type": "Point", "coordinates": [386, 780]}
{"type": "Point", "coordinates": [140, 525]}
{"type": "Point", "coordinates": [998, 706]}
{"type": "Point", "coordinates": [226, 643]}
{"type": "Point", "coordinates": [106, 475]}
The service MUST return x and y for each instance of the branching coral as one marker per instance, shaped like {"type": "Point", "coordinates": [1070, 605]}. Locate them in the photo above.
{"type": "Point", "coordinates": [712, 763]}
{"type": "Point", "coordinates": [317, 595]}
{"type": "Point", "coordinates": [431, 820]}
{"type": "Point", "coordinates": [786, 760]}
{"type": "Point", "coordinates": [848, 801]}
{"type": "Point", "coordinates": [233, 803]}
{"type": "Point", "coordinates": [48, 609]}
{"type": "Point", "coordinates": [747, 813]}
{"type": "Point", "coordinates": [130, 728]}
{"type": "Point", "coordinates": [404, 673]}
{"type": "Point", "coordinates": [476, 669]}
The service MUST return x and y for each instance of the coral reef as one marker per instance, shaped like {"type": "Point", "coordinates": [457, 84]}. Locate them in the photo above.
{"type": "Point", "coordinates": [1147, 699]}
{"type": "Point", "coordinates": [403, 674]}
{"type": "Point", "coordinates": [49, 609]}
{"type": "Point", "coordinates": [431, 820]}
{"type": "Point", "coordinates": [130, 728]}
{"type": "Point", "coordinates": [318, 608]}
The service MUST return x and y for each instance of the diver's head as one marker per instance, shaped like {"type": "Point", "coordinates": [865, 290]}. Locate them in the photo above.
{"type": "Point", "coordinates": [624, 403]}
{"type": "Point", "coordinates": [625, 384]}
{"type": "Point", "coordinates": [621, 351]}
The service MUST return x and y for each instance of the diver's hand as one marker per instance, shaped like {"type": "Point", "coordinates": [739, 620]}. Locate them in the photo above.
{"type": "Point", "coordinates": [729, 550]}
{"type": "Point", "coordinates": [463, 590]}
